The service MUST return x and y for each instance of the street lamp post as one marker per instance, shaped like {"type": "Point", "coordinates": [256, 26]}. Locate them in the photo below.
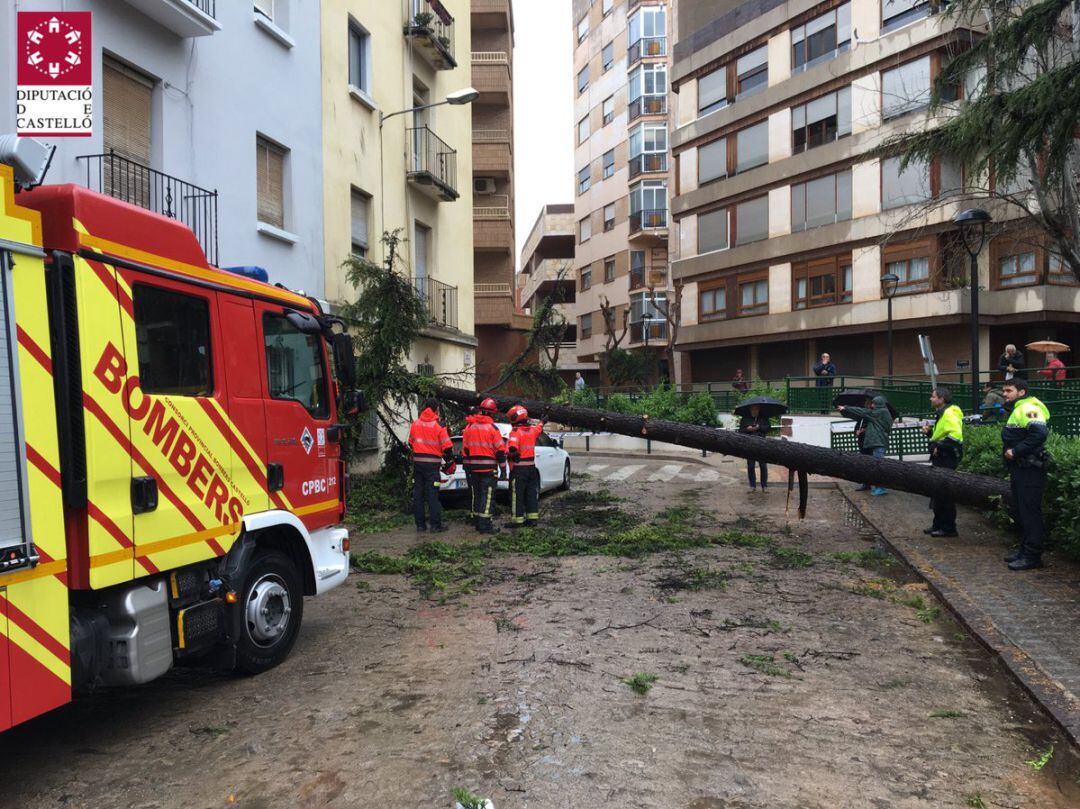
{"type": "Point", "coordinates": [889, 283]}
{"type": "Point", "coordinates": [972, 223]}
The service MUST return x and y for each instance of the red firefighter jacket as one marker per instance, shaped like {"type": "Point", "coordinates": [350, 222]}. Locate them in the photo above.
{"type": "Point", "coordinates": [482, 445]}
{"type": "Point", "coordinates": [522, 444]}
{"type": "Point", "coordinates": [429, 441]}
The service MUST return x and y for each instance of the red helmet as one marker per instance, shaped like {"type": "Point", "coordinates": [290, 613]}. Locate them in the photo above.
{"type": "Point", "coordinates": [518, 414]}
{"type": "Point", "coordinates": [489, 406]}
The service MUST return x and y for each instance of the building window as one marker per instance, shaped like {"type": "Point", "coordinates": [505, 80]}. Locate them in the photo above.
{"type": "Point", "coordinates": [607, 56]}
{"type": "Point", "coordinates": [583, 130]}
{"type": "Point", "coordinates": [583, 80]}
{"type": "Point", "coordinates": [712, 161]}
{"type": "Point", "coordinates": [266, 8]}
{"type": "Point", "coordinates": [294, 365]}
{"type": "Point", "coordinates": [648, 149]}
{"type": "Point", "coordinates": [752, 72]}
{"type": "Point", "coordinates": [1059, 271]}
{"type": "Point", "coordinates": [127, 104]}
{"type": "Point", "coordinates": [752, 146]}
{"type": "Point", "coordinates": [821, 121]}
{"type": "Point", "coordinates": [906, 88]}
{"type": "Point", "coordinates": [359, 57]}
{"type": "Point", "coordinates": [606, 6]}
{"type": "Point", "coordinates": [713, 229]}
{"type": "Point", "coordinates": [821, 38]}
{"type": "Point", "coordinates": [648, 315]}
{"type": "Point", "coordinates": [647, 32]}
{"type": "Point", "coordinates": [904, 187]}
{"type": "Point", "coordinates": [822, 201]}
{"type": "Point", "coordinates": [584, 230]}
{"type": "Point", "coordinates": [608, 110]}
{"type": "Point", "coordinates": [583, 28]}
{"type": "Point", "coordinates": [713, 91]}
{"type": "Point", "coordinates": [172, 332]}
{"type": "Point", "coordinates": [913, 272]}
{"type": "Point", "coordinates": [895, 13]}
{"type": "Point", "coordinates": [270, 182]}
{"type": "Point", "coordinates": [360, 205]}
{"type": "Point", "coordinates": [637, 269]}
{"type": "Point", "coordinates": [584, 180]}
{"type": "Point", "coordinates": [585, 326]}
{"type": "Point", "coordinates": [648, 90]}
{"type": "Point", "coordinates": [586, 278]}
{"type": "Point", "coordinates": [752, 220]}
{"type": "Point", "coordinates": [822, 282]}
{"type": "Point", "coordinates": [609, 217]}
{"type": "Point", "coordinates": [648, 205]}
{"type": "Point", "coordinates": [712, 303]}
{"type": "Point", "coordinates": [609, 270]}
{"type": "Point", "coordinates": [609, 164]}
{"type": "Point", "coordinates": [1017, 271]}
{"type": "Point", "coordinates": [753, 295]}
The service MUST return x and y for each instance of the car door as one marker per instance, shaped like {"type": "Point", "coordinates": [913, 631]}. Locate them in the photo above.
{"type": "Point", "coordinates": [547, 461]}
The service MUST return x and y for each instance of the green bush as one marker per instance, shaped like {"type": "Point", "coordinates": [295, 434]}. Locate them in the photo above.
{"type": "Point", "coordinates": [661, 403]}
{"type": "Point", "coordinates": [620, 403]}
{"type": "Point", "coordinates": [766, 389]}
{"type": "Point", "coordinates": [698, 409]}
{"type": "Point", "coordinates": [982, 451]}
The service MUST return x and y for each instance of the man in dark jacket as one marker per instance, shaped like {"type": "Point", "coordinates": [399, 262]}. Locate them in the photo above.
{"type": "Point", "coordinates": [878, 422]}
{"type": "Point", "coordinates": [825, 371]}
{"type": "Point", "coordinates": [756, 424]}
{"type": "Point", "coordinates": [1011, 364]}
{"type": "Point", "coordinates": [1023, 441]}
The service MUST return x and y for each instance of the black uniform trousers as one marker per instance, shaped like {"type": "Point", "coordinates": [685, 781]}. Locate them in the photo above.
{"type": "Point", "coordinates": [425, 491]}
{"type": "Point", "coordinates": [944, 507]}
{"type": "Point", "coordinates": [1028, 487]}
{"type": "Point", "coordinates": [471, 482]}
{"type": "Point", "coordinates": [524, 494]}
{"type": "Point", "coordinates": [483, 497]}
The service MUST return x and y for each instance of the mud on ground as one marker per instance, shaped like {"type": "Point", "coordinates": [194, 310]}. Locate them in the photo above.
{"type": "Point", "coordinates": [789, 667]}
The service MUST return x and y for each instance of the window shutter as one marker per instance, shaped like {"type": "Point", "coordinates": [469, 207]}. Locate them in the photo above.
{"type": "Point", "coordinates": [126, 112]}
{"type": "Point", "coordinates": [359, 219]}
{"type": "Point", "coordinates": [270, 180]}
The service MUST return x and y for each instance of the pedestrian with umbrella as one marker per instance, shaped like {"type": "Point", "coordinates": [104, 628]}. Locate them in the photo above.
{"type": "Point", "coordinates": [756, 414]}
{"type": "Point", "coordinates": [1055, 368]}
{"type": "Point", "coordinates": [879, 417]}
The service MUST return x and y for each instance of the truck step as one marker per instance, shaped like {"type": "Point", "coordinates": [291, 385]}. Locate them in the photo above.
{"type": "Point", "coordinates": [200, 625]}
{"type": "Point", "coordinates": [186, 586]}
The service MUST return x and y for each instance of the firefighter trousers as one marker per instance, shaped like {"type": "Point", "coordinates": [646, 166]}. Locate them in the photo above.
{"type": "Point", "coordinates": [470, 480]}
{"type": "Point", "coordinates": [483, 498]}
{"type": "Point", "coordinates": [426, 480]}
{"type": "Point", "coordinates": [1028, 487]}
{"type": "Point", "coordinates": [524, 494]}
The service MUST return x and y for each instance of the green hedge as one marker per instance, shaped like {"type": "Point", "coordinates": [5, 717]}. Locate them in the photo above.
{"type": "Point", "coordinates": [982, 455]}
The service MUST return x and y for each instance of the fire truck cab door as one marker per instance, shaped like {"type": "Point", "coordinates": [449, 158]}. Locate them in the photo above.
{"type": "Point", "coordinates": [299, 414]}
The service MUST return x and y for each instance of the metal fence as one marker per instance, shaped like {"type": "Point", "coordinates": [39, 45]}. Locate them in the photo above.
{"type": "Point", "coordinates": [433, 157]}
{"type": "Point", "coordinates": [440, 300]}
{"type": "Point", "coordinates": [207, 7]}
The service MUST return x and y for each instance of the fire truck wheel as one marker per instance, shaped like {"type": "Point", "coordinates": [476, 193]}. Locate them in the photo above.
{"type": "Point", "coordinates": [272, 600]}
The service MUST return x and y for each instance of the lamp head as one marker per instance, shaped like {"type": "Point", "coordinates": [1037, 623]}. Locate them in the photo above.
{"type": "Point", "coordinates": [972, 223]}
{"type": "Point", "coordinates": [889, 282]}
{"type": "Point", "coordinates": [459, 97]}
{"type": "Point", "coordinates": [972, 216]}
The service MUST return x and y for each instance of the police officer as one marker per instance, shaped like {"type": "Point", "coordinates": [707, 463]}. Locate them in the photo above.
{"type": "Point", "coordinates": [484, 451]}
{"type": "Point", "coordinates": [946, 450]}
{"type": "Point", "coordinates": [431, 447]}
{"type": "Point", "coordinates": [1023, 440]}
{"type": "Point", "coordinates": [524, 476]}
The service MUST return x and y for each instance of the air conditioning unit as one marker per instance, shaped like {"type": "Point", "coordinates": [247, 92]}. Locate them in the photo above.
{"type": "Point", "coordinates": [483, 186]}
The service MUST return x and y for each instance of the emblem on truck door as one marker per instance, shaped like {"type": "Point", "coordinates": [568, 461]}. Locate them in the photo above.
{"type": "Point", "coordinates": [307, 440]}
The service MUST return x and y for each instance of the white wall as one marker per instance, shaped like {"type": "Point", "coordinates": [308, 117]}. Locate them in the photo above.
{"type": "Point", "coordinates": [212, 95]}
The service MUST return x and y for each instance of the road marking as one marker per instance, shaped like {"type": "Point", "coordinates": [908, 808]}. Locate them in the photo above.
{"type": "Point", "coordinates": [705, 476]}
{"type": "Point", "coordinates": [665, 473]}
{"type": "Point", "coordinates": [625, 472]}
{"type": "Point", "coordinates": [596, 467]}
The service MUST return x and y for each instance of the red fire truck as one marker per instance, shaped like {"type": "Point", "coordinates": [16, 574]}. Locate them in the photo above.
{"type": "Point", "coordinates": [171, 477]}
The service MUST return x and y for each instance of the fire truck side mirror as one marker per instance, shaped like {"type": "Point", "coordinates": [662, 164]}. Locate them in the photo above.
{"type": "Point", "coordinates": [344, 360]}
{"type": "Point", "coordinates": [355, 402]}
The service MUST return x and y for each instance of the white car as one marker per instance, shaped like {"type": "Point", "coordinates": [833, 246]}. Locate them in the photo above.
{"type": "Point", "coordinates": [551, 459]}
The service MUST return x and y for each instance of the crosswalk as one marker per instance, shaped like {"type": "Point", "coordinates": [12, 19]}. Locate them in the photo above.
{"type": "Point", "coordinates": [665, 473]}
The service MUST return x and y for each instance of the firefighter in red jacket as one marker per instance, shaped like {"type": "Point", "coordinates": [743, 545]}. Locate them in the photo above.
{"type": "Point", "coordinates": [524, 476]}
{"type": "Point", "coordinates": [484, 452]}
{"type": "Point", "coordinates": [431, 448]}
{"type": "Point", "coordinates": [469, 479]}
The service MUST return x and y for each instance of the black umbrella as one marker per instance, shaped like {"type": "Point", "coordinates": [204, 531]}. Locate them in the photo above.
{"type": "Point", "coordinates": [769, 407]}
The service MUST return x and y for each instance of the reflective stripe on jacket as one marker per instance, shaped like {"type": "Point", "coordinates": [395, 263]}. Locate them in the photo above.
{"type": "Point", "coordinates": [429, 440]}
{"type": "Point", "coordinates": [483, 445]}
{"type": "Point", "coordinates": [522, 444]}
{"type": "Point", "coordinates": [950, 424]}
{"type": "Point", "coordinates": [1027, 429]}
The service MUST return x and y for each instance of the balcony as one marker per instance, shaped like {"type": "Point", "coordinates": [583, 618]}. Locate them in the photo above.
{"type": "Point", "coordinates": [155, 191]}
{"type": "Point", "coordinates": [431, 30]}
{"type": "Point", "coordinates": [440, 301]}
{"type": "Point", "coordinates": [649, 332]}
{"type": "Point", "coordinates": [648, 163]}
{"type": "Point", "coordinates": [492, 152]}
{"type": "Point", "coordinates": [493, 226]}
{"type": "Point", "coordinates": [494, 304]}
{"type": "Point", "coordinates": [650, 221]}
{"type": "Point", "coordinates": [185, 18]}
{"type": "Point", "coordinates": [646, 48]}
{"type": "Point", "coordinates": [432, 165]}
{"type": "Point", "coordinates": [491, 14]}
{"type": "Point", "coordinates": [647, 105]}
{"type": "Point", "coordinates": [491, 77]}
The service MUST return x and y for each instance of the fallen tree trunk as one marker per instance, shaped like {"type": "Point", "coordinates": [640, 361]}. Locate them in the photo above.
{"type": "Point", "coordinates": [980, 491]}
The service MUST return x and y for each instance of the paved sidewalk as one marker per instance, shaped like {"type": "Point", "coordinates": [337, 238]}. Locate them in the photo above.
{"type": "Point", "coordinates": [1031, 619]}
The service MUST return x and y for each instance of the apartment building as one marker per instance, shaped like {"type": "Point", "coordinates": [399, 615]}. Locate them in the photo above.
{"type": "Point", "coordinates": [182, 125]}
{"type": "Point", "coordinates": [397, 156]}
{"type": "Point", "coordinates": [621, 208]}
{"type": "Point", "coordinates": [501, 330]}
{"type": "Point", "coordinates": [547, 272]}
{"type": "Point", "coordinates": [787, 224]}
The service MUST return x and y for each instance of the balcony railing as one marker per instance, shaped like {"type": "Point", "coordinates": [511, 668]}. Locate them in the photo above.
{"type": "Point", "coordinates": [657, 331]}
{"type": "Point", "coordinates": [433, 164]}
{"type": "Point", "coordinates": [647, 105]}
{"type": "Point", "coordinates": [646, 47]}
{"type": "Point", "coordinates": [491, 290]}
{"type": "Point", "coordinates": [207, 7]}
{"type": "Point", "coordinates": [440, 301]}
{"type": "Point", "coordinates": [491, 136]}
{"type": "Point", "coordinates": [136, 184]}
{"type": "Point", "coordinates": [431, 28]}
{"type": "Point", "coordinates": [655, 219]}
{"type": "Point", "coordinates": [648, 163]}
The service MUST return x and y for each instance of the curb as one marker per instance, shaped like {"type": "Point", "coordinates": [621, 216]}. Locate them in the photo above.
{"type": "Point", "coordinates": [1018, 664]}
{"type": "Point", "coordinates": [658, 456]}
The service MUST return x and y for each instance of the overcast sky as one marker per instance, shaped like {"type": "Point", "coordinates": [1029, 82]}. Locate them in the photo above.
{"type": "Point", "coordinates": [543, 109]}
